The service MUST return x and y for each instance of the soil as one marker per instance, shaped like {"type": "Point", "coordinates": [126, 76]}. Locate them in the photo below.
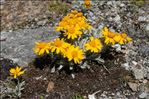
{"type": "Point", "coordinates": [85, 82]}
{"type": "Point", "coordinates": [5, 65]}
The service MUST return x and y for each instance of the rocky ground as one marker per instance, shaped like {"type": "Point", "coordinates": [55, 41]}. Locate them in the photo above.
{"type": "Point", "coordinates": [30, 14]}
{"type": "Point", "coordinates": [17, 40]}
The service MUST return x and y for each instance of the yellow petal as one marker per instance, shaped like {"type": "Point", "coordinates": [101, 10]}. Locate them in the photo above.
{"type": "Point", "coordinates": [15, 76]}
{"type": "Point", "coordinates": [36, 43]}
{"type": "Point", "coordinates": [129, 39]}
{"type": "Point", "coordinates": [12, 71]}
{"type": "Point", "coordinates": [20, 73]}
{"type": "Point", "coordinates": [121, 42]}
{"type": "Point", "coordinates": [47, 51]}
{"type": "Point", "coordinates": [41, 52]}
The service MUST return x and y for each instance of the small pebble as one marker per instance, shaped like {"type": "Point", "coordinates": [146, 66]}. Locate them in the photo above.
{"type": "Point", "coordinates": [145, 81]}
{"type": "Point", "coordinates": [134, 62]}
{"type": "Point", "coordinates": [133, 86]}
{"type": "Point", "coordinates": [50, 86]}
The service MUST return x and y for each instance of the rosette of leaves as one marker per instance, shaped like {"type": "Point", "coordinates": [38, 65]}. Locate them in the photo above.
{"type": "Point", "coordinates": [10, 89]}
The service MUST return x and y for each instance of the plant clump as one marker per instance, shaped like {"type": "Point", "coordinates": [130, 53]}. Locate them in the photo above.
{"type": "Point", "coordinates": [76, 44]}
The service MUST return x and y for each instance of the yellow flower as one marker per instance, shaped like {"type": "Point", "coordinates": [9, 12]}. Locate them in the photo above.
{"type": "Point", "coordinates": [73, 32]}
{"type": "Point", "coordinates": [66, 49]}
{"type": "Point", "coordinates": [15, 72]}
{"type": "Point", "coordinates": [87, 3]}
{"type": "Point", "coordinates": [42, 47]}
{"type": "Point", "coordinates": [58, 45]}
{"type": "Point", "coordinates": [74, 20]}
{"type": "Point", "coordinates": [61, 26]}
{"type": "Point", "coordinates": [109, 36]}
{"type": "Point", "coordinates": [94, 45]}
{"type": "Point", "coordinates": [75, 54]}
{"type": "Point", "coordinates": [122, 38]}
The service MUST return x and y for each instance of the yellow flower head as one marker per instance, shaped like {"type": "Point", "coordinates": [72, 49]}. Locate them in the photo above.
{"type": "Point", "coordinates": [67, 46]}
{"type": "Point", "coordinates": [122, 38]}
{"type": "Point", "coordinates": [72, 24]}
{"type": "Point", "coordinates": [73, 32]}
{"type": "Point", "coordinates": [75, 54]}
{"type": "Point", "coordinates": [58, 45]}
{"type": "Point", "coordinates": [42, 47]}
{"type": "Point", "coordinates": [109, 36]}
{"type": "Point", "coordinates": [15, 72]}
{"type": "Point", "coordinates": [87, 3]}
{"type": "Point", "coordinates": [94, 45]}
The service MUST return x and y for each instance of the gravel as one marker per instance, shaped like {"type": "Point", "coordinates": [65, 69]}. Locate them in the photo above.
{"type": "Point", "coordinates": [123, 16]}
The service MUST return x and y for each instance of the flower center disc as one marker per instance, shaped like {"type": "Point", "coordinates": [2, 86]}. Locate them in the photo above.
{"type": "Point", "coordinates": [74, 54]}
{"type": "Point", "coordinates": [58, 43]}
{"type": "Point", "coordinates": [93, 44]}
{"type": "Point", "coordinates": [111, 35]}
{"type": "Point", "coordinates": [41, 46]}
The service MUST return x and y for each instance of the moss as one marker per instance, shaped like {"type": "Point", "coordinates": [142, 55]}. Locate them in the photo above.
{"type": "Point", "coordinates": [140, 2]}
{"type": "Point", "coordinates": [77, 96]}
{"type": "Point", "coordinates": [58, 7]}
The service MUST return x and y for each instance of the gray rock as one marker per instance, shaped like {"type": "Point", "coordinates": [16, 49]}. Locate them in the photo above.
{"type": "Point", "coordinates": [2, 1]}
{"type": "Point", "coordinates": [143, 95]}
{"type": "Point", "coordinates": [148, 75]}
{"type": "Point", "coordinates": [143, 18]}
{"type": "Point", "coordinates": [147, 27]}
{"type": "Point", "coordinates": [139, 71]}
{"type": "Point", "coordinates": [42, 22]}
{"type": "Point", "coordinates": [117, 18]}
{"type": "Point", "coordinates": [19, 44]}
{"type": "Point", "coordinates": [133, 86]}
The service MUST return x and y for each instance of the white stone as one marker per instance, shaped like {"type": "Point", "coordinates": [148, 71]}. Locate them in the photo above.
{"type": "Point", "coordinates": [122, 5]}
{"type": "Point", "coordinates": [53, 70]}
{"type": "Point", "coordinates": [91, 96]}
{"type": "Point", "coordinates": [60, 67]}
{"type": "Point", "coordinates": [73, 76]}
{"type": "Point", "coordinates": [117, 18]}
{"type": "Point", "coordinates": [143, 95]}
{"type": "Point", "coordinates": [37, 78]}
{"type": "Point", "coordinates": [134, 62]}
{"type": "Point", "coordinates": [145, 81]}
{"type": "Point", "coordinates": [126, 66]}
